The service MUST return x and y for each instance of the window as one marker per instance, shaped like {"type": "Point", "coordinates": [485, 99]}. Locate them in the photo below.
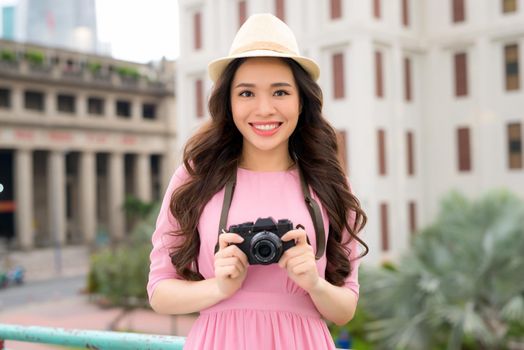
{"type": "Point", "coordinates": [95, 106]}
{"type": "Point", "coordinates": [458, 12]}
{"type": "Point", "coordinates": [376, 9]}
{"type": "Point", "coordinates": [5, 98]}
{"type": "Point", "coordinates": [515, 146]}
{"type": "Point", "coordinates": [280, 9]}
{"type": "Point", "coordinates": [407, 79]}
{"type": "Point", "coordinates": [412, 215]}
{"type": "Point", "coordinates": [65, 103]}
{"type": "Point", "coordinates": [199, 98]}
{"type": "Point", "coordinates": [338, 76]}
{"type": "Point", "coordinates": [123, 108]}
{"type": "Point", "coordinates": [461, 74]}
{"type": "Point", "coordinates": [242, 12]}
{"type": "Point", "coordinates": [509, 6]}
{"type": "Point", "coordinates": [149, 111]}
{"type": "Point", "coordinates": [384, 227]}
{"type": "Point", "coordinates": [197, 31]}
{"type": "Point", "coordinates": [511, 61]}
{"type": "Point", "coordinates": [381, 144]}
{"type": "Point", "coordinates": [34, 100]}
{"type": "Point", "coordinates": [405, 13]}
{"type": "Point", "coordinates": [464, 149]}
{"type": "Point", "coordinates": [342, 152]}
{"type": "Point", "coordinates": [379, 86]}
{"type": "Point", "coordinates": [336, 9]}
{"type": "Point", "coordinates": [410, 153]}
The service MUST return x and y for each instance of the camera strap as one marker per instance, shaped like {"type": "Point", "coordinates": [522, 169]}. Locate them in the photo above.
{"type": "Point", "coordinates": [311, 204]}
{"type": "Point", "coordinates": [316, 216]}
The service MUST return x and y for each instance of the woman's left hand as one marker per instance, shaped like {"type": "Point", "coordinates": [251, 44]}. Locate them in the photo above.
{"type": "Point", "coordinates": [299, 261]}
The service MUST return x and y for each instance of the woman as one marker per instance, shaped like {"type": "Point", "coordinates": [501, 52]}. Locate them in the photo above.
{"type": "Point", "coordinates": [265, 141]}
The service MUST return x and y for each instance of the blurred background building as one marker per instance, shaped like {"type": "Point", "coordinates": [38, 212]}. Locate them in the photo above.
{"type": "Point", "coordinates": [78, 133]}
{"type": "Point", "coordinates": [426, 95]}
{"type": "Point", "coordinates": [55, 23]}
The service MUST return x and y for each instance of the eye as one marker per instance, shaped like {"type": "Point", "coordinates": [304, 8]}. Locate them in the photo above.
{"type": "Point", "coordinates": [245, 93]}
{"type": "Point", "coordinates": [281, 93]}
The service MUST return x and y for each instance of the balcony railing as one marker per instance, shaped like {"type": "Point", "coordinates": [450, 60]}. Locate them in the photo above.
{"type": "Point", "coordinates": [88, 338]}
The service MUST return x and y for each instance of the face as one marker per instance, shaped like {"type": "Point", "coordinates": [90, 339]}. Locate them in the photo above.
{"type": "Point", "coordinates": [265, 104]}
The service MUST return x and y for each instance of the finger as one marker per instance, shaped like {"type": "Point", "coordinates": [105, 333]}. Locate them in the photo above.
{"type": "Point", "coordinates": [302, 268]}
{"type": "Point", "coordinates": [225, 239]}
{"type": "Point", "coordinates": [230, 251]}
{"type": "Point", "coordinates": [231, 271]}
{"type": "Point", "coordinates": [305, 252]}
{"type": "Point", "coordinates": [298, 235]}
{"type": "Point", "coordinates": [232, 261]}
{"type": "Point", "coordinates": [295, 251]}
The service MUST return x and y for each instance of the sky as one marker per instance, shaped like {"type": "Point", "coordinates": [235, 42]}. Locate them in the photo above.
{"type": "Point", "coordinates": [148, 29]}
{"type": "Point", "coordinates": [137, 30]}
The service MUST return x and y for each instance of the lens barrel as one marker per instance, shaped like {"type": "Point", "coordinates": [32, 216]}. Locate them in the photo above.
{"type": "Point", "coordinates": [266, 247]}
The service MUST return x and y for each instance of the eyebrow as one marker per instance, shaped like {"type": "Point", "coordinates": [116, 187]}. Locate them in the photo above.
{"type": "Point", "coordinates": [249, 85]}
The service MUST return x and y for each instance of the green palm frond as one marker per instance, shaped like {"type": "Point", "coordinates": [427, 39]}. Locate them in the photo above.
{"type": "Point", "coordinates": [460, 284]}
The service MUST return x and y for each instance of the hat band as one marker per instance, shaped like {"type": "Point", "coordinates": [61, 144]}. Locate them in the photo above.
{"type": "Point", "coordinates": [262, 45]}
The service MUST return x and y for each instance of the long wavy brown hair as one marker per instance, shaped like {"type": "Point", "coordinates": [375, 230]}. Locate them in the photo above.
{"type": "Point", "coordinates": [212, 156]}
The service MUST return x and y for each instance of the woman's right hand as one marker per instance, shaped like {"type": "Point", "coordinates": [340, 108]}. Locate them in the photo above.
{"type": "Point", "coordinates": [230, 264]}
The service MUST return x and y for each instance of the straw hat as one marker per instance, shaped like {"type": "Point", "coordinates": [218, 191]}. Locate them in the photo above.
{"type": "Point", "coordinates": [263, 35]}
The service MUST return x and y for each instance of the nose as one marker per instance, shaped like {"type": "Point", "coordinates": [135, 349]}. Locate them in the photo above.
{"type": "Point", "coordinates": [265, 106]}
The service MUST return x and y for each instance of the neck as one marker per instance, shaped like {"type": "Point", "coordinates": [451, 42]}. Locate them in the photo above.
{"type": "Point", "coordinates": [266, 161]}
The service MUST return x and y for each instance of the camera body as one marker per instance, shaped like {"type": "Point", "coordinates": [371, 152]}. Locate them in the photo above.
{"type": "Point", "coordinates": [262, 244]}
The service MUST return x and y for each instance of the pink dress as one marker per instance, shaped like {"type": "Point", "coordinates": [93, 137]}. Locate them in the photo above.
{"type": "Point", "coordinates": [270, 311]}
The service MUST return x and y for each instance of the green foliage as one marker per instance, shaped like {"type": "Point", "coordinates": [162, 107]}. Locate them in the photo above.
{"type": "Point", "coordinates": [94, 67]}
{"type": "Point", "coordinates": [461, 285]}
{"type": "Point", "coordinates": [34, 57]}
{"type": "Point", "coordinates": [128, 72]}
{"type": "Point", "coordinates": [7, 55]}
{"type": "Point", "coordinates": [135, 208]}
{"type": "Point", "coordinates": [120, 273]}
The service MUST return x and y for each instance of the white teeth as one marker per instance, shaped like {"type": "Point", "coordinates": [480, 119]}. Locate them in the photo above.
{"type": "Point", "coordinates": [266, 126]}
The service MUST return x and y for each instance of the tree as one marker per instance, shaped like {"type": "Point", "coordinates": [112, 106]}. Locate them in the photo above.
{"type": "Point", "coordinates": [119, 273]}
{"type": "Point", "coordinates": [460, 287]}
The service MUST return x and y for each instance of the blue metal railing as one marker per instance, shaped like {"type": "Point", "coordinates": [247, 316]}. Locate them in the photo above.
{"type": "Point", "coordinates": [88, 339]}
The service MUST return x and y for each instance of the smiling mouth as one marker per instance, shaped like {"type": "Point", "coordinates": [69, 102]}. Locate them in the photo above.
{"type": "Point", "coordinates": [265, 127]}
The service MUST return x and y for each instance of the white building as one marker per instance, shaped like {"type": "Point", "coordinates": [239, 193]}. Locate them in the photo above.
{"type": "Point", "coordinates": [427, 95]}
{"type": "Point", "coordinates": [78, 134]}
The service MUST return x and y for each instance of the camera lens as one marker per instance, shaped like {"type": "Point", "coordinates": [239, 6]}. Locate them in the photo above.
{"type": "Point", "coordinates": [266, 247]}
{"type": "Point", "coordinates": [265, 250]}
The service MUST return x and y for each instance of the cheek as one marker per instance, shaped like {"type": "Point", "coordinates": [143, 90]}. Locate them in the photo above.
{"type": "Point", "coordinates": [238, 118]}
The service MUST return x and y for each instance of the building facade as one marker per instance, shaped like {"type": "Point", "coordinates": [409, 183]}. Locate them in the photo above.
{"type": "Point", "coordinates": [427, 96]}
{"type": "Point", "coordinates": [78, 134]}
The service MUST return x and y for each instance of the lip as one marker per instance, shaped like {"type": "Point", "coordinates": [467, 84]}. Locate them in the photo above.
{"type": "Point", "coordinates": [269, 132]}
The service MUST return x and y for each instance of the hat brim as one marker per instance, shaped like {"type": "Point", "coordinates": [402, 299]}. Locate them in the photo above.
{"type": "Point", "coordinates": [216, 67]}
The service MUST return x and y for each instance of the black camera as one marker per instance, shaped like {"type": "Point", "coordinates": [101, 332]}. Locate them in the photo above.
{"type": "Point", "coordinates": [262, 244]}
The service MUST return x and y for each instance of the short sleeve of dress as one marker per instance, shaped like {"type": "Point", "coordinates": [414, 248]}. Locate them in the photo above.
{"type": "Point", "coordinates": [352, 246]}
{"type": "Point", "coordinates": [351, 281]}
{"type": "Point", "coordinates": [160, 262]}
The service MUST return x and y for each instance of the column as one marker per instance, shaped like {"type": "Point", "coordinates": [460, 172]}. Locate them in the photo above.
{"type": "Point", "coordinates": [57, 197]}
{"type": "Point", "coordinates": [17, 100]}
{"type": "Point", "coordinates": [88, 196]}
{"type": "Point", "coordinates": [24, 215]}
{"type": "Point", "coordinates": [143, 177]}
{"type": "Point", "coordinates": [136, 109]}
{"type": "Point", "coordinates": [81, 105]}
{"type": "Point", "coordinates": [116, 197]}
{"type": "Point", "coordinates": [50, 109]}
